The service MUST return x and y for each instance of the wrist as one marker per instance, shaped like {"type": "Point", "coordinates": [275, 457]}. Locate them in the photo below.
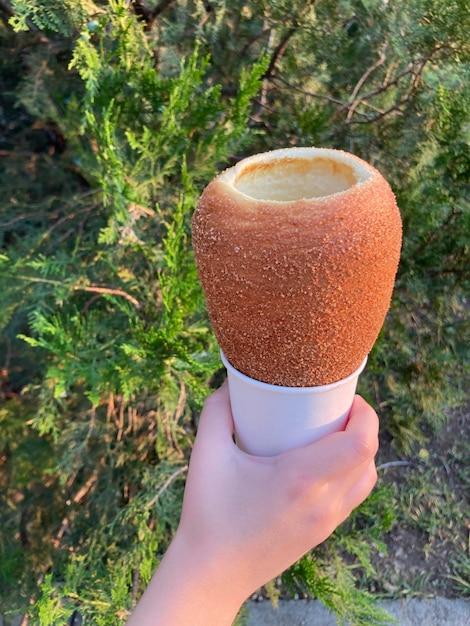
{"type": "Point", "coordinates": [190, 587]}
{"type": "Point", "coordinates": [208, 575]}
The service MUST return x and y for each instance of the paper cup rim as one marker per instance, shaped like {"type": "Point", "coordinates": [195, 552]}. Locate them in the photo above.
{"type": "Point", "coordinates": [291, 390]}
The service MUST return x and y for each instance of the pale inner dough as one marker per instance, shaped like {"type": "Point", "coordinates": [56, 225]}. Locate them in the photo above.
{"type": "Point", "coordinates": [290, 179]}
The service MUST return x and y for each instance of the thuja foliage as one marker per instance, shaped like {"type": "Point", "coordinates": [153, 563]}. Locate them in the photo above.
{"type": "Point", "coordinates": [114, 115]}
{"type": "Point", "coordinates": [99, 279]}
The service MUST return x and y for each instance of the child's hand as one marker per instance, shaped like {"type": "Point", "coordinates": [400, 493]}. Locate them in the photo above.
{"type": "Point", "coordinates": [245, 519]}
{"type": "Point", "coordinates": [264, 513]}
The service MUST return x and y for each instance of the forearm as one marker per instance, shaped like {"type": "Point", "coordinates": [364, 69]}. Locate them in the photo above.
{"type": "Point", "coordinates": [188, 590]}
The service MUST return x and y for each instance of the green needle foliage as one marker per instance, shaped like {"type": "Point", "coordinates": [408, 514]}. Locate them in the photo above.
{"type": "Point", "coordinates": [113, 117]}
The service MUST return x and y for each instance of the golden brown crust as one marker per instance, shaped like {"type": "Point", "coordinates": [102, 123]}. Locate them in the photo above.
{"type": "Point", "coordinates": [297, 291]}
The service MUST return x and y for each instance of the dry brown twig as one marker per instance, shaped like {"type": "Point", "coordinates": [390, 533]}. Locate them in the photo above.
{"type": "Point", "coordinates": [354, 103]}
{"type": "Point", "coordinates": [166, 484]}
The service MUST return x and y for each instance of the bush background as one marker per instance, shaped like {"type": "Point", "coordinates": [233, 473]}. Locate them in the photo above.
{"type": "Point", "coordinates": [113, 117]}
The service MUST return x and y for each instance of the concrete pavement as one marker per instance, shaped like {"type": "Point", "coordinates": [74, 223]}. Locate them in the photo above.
{"type": "Point", "coordinates": [414, 612]}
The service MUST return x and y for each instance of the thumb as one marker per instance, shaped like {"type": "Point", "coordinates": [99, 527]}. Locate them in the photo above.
{"type": "Point", "coordinates": [216, 421]}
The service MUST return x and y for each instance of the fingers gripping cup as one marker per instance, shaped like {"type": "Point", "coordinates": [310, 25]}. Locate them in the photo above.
{"type": "Point", "coordinates": [270, 419]}
{"type": "Point", "coordinates": [297, 252]}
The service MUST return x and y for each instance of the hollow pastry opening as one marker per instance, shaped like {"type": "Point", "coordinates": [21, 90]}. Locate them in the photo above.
{"type": "Point", "coordinates": [288, 179]}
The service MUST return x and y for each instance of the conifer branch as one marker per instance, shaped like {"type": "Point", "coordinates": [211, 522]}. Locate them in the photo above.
{"type": "Point", "coordinates": [354, 103]}
{"type": "Point", "coordinates": [90, 288]}
{"type": "Point", "coordinates": [384, 466]}
{"type": "Point", "coordinates": [6, 8]}
{"type": "Point", "coordinates": [166, 484]}
{"type": "Point", "coordinates": [279, 51]}
{"type": "Point", "coordinates": [281, 47]}
{"type": "Point", "coordinates": [110, 291]}
{"type": "Point", "coordinates": [131, 128]}
{"type": "Point", "coordinates": [149, 15]}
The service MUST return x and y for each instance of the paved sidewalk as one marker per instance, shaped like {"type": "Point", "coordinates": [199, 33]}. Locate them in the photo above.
{"type": "Point", "coordinates": [414, 612]}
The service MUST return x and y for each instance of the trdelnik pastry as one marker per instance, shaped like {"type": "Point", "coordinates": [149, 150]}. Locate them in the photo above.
{"type": "Point", "coordinates": [297, 251]}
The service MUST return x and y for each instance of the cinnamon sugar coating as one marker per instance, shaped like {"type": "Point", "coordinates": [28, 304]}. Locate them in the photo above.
{"type": "Point", "coordinates": [297, 291]}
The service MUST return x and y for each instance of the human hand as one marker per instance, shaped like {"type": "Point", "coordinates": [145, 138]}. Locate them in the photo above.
{"type": "Point", "coordinates": [264, 513]}
{"type": "Point", "coordinates": [245, 519]}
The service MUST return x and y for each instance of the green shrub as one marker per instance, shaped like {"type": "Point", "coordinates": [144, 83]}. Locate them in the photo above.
{"type": "Point", "coordinates": [112, 123]}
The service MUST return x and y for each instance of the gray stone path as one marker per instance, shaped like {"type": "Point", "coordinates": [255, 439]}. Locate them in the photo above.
{"type": "Point", "coordinates": [414, 612]}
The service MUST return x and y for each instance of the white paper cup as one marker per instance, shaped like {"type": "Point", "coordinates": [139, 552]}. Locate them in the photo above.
{"type": "Point", "coordinates": [270, 419]}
